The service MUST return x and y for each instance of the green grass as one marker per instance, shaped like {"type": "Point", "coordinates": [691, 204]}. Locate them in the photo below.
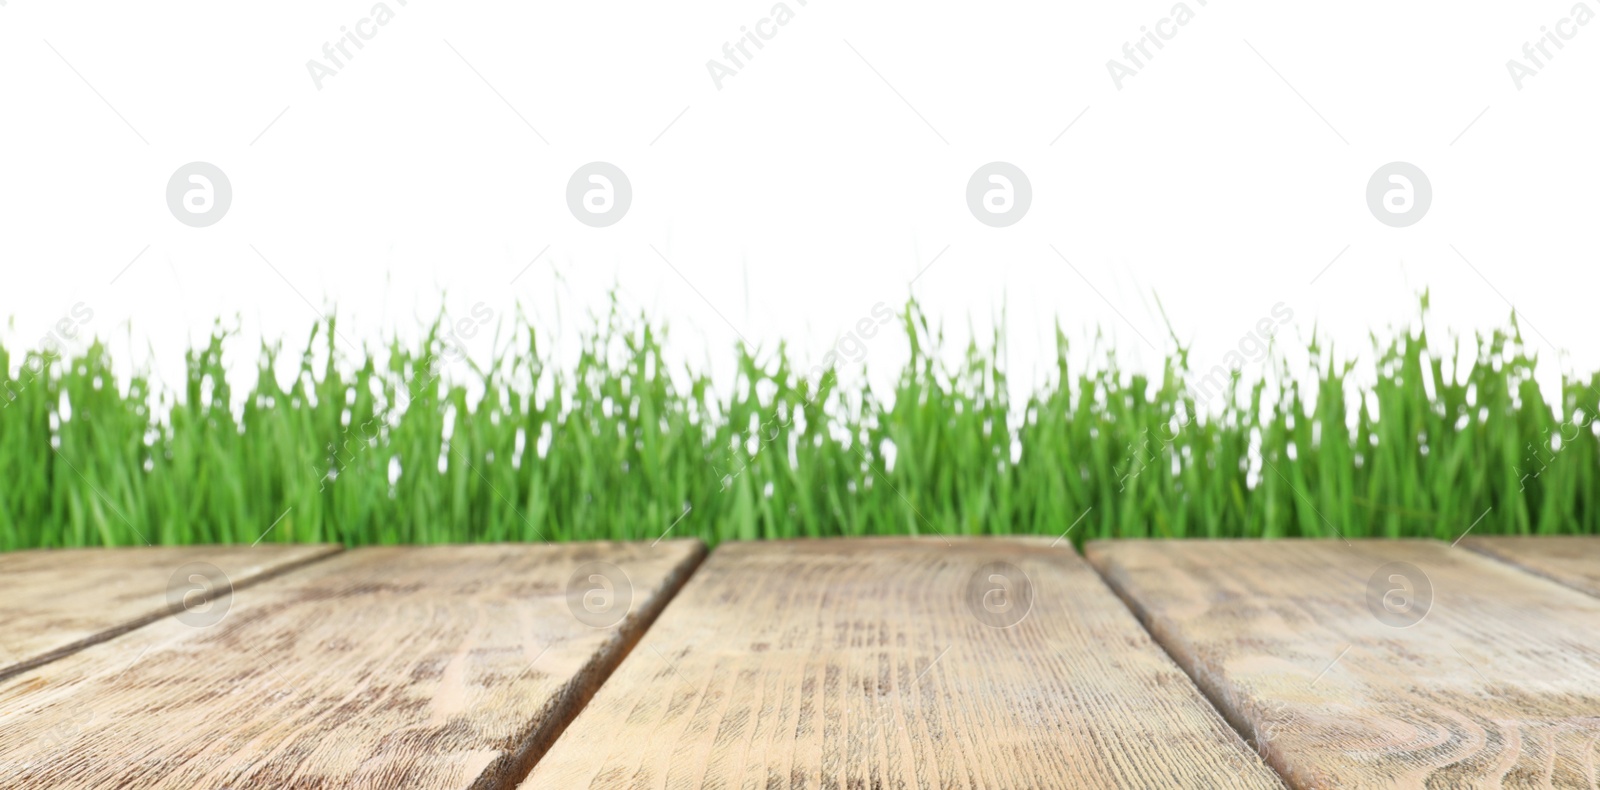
{"type": "Point", "coordinates": [611, 449]}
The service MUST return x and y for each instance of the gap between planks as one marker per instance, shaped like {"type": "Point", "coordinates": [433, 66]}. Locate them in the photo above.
{"type": "Point", "coordinates": [410, 666]}
{"type": "Point", "coordinates": [1572, 560]}
{"type": "Point", "coordinates": [92, 595]}
{"type": "Point", "coordinates": [868, 662]}
{"type": "Point", "coordinates": [540, 743]}
{"type": "Point", "coordinates": [1208, 691]}
{"type": "Point", "coordinates": [1490, 687]}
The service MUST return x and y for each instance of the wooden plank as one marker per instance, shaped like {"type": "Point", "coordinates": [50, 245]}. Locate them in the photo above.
{"type": "Point", "coordinates": [1304, 645]}
{"type": "Point", "coordinates": [876, 663]}
{"type": "Point", "coordinates": [57, 601]}
{"type": "Point", "coordinates": [1573, 560]}
{"type": "Point", "coordinates": [424, 667]}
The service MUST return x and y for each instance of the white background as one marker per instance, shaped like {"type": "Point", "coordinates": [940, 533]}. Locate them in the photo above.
{"type": "Point", "coordinates": [806, 189]}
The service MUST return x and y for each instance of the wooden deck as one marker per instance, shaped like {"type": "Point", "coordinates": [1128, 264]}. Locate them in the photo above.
{"type": "Point", "coordinates": [886, 662]}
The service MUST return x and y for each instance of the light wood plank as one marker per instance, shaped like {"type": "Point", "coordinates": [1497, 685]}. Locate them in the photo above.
{"type": "Point", "coordinates": [58, 601]}
{"type": "Point", "coordinates": [1573, 560]}
{"type": "Point", "coordinates": [384, 667]}
{"type": "Point", "coordinates": [1498, 685]}
{"type": "Point", "coordinates": [864, 663]}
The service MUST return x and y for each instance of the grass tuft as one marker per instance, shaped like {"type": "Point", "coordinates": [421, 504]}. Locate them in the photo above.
{"type": "Point", "coordinates": [612, 449]}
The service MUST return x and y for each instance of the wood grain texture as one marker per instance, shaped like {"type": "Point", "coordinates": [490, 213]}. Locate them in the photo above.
{"type": "Point", "coordinates": [58, 601]}
{"type": "Point", "coordinates": [1573, 560]}
{"type": "Point", "coordinates": [1497, 686]}
{"type": "Point", "coordinates": [410, 667]}
{"type": "Point", "coordinates": [864, 663]}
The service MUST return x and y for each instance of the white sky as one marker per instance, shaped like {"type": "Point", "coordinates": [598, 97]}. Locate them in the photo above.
{"type": "Point", "coordinates": [814, 184]}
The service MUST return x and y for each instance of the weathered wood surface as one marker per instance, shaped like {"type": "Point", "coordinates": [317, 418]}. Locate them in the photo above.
{"type": "Point", "coordinates": [1573, 560]}
{"type": "Point", "coordinates": [57, 601]}
{"type": "Point", "coordinates": [383, 667]}
{"type": "Point", "coordinates": [876, 663]}
{"type": "Point", "coordinates": [1498, 685]}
